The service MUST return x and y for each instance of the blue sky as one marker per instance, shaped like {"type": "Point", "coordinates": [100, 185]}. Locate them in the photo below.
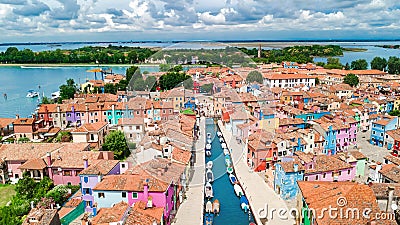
{"type": "Point", "coordinates": [120, 20]}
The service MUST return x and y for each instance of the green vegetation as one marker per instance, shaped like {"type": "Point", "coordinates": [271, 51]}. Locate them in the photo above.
{"type": "Point", "coordinates": [67, 91]}
{"type": "Point", "coordinates": [47, 100]}
{"type": "Point", "coordinates": [27, 191]}
{"type": "Point", "coordinates": [23, 140]}
{"type": "Point", "coordinates": [395, 113]}
{"type": "Point", "coordinates": [389, 46]}
{"type": "Point", "coordinates": [394, 65]}
{"type": "Point", "coordinates": [164, 67]}
{"type": "Point", "coordinates": [379, 63]}
{"type": "Point", "coordinates": [360, 64]}
{"type": "Point", "coordinates": [188, 112]}
{"type": "Point", "coordinates": [355, 49]}
{"type": "Point", "coordinates": [351, 80]}
{"type": "Point", "coordinates": [174, 78]}
{"type": "Point", "coordinates": [93, 55]}
{"type": "Point", "coordinates": [116, 142]}
{"type": "Point", "coordinates": [64, 136]}
{"type": "Point", "coordinates": [332, 63]}
{"type": "Point", "coordinates": [206, 88]}
{"type": "Point", "coordinates": [6, 193]}
{"type": "Point", "coordinates": [300, 54]}
{"type": "Point", "coordinates": [254, 76]}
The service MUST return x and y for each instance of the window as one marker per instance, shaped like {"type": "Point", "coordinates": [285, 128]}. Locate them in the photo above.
{"type": "Point", "coordinates": [67, 173]}
{"type": "Point", "coordinates": [340, 173]}
{"type": "Point", "coordinates": [316, 177]}
{"type": "Point", "coordinates": [134, 195]}
{"type": "Point", "coordinates": [68, 114]}
{"type": "Point", "coordinates": [324, 175]}
{"type": "Point", "coordinates": [101, 195]}
{"type": "Point", "coordinates": [373, 132]}
{"type": "Point", "coordinates": [78, 114]}
{"type": "Point", "coordinates": [83, 114]}
{"type": "Point", "coordinates": [130, 127]}
{"type": "Point", "coordinates": [85, 179]}
{"type": "Point", "coordinates": [16, 176]}
{"type": "Point", "coordinates": [123, 165]}
{"type": "Point", "coordinates": [348, 171]}
{"type": "Point", "coordinates": [306, 178]}
{"type": "Point", "coordinates": [123, 194]}
{"type": "Point", "coordinates": [91, 137]}
{"type": "Point", "coordinates": [86, 191]}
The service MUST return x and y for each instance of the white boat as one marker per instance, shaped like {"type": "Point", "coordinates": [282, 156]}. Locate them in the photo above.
{"type": "Point", "coordinates": [208, 135]}
{"type": "Point", "coordinates": [209, 141]}
{"type": "Point", "coordinates": [208, 190]}
{"type": "Point", "coordinates": [208, 146]}
{"type": "Point", "coordinates": [208, 153]}
{"type": "Point", "coordinates": [228, 162]}
{"type": "Point", "coordinates": [32, 94]}
{"type": "Point", "coordinates": [55, 95]}
{"type": "Point", "coordinates": [229, 169]}
{"type": "Point", "coordinates": [219, 134]}
{"type": "Point", "coordinates": [209, 176]}
{"type": "Point", "coordinates": [238, 190]}
{"type": "Point", "coordinates": [233, 179]}
{"type": "Point", "coordinates": [208, 207]}
{"type": "Point", "coordinates": [215, 206]}
{"type": "Point", "coordinates": [244, 203]}
{"type": "Point", "coordinates": [221, 139]}
{"type": "Point", "coordinates": [226, 151]}
{"type": "Point", "coordinates": [223, 145]}
{"type": "Point", "coordinates": [209, 165]}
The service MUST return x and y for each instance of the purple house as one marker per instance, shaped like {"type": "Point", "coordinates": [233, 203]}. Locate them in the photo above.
{"type": "Point", "coordinates": [73, 117]}
{"type": "Point", "coordinates": [158, 183]}
{"type": "Point", "coordinates": [93, 174]}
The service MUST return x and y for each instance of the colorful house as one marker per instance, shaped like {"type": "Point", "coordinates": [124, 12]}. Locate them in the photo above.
{"type": "Point", "coordinates": [93, 174]}
{"type": "Point", "coordinates": [380, 129]}
{"type": "Point", "coordinates": [262, 151]}
{"type": "Point", "coordinates": [286, 176]}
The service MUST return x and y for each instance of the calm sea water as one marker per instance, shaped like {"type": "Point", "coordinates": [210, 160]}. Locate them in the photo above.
{"type": "Point", "coordinates": [16, 81]}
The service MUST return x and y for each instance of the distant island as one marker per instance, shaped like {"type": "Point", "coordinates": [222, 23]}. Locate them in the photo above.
{"type": "Point", "coordinates": [389, 46]}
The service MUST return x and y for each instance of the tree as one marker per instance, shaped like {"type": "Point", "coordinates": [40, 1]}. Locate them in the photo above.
{"type": "Point", "coordinates": [110, 88]}
{"type": "Point", "coordinates": [379, 63]}
{"type": "Point", "coordinates": [351, 80]}
{"type": "Point", "coordinates": [333, 63]}
{"type": "Point", "coordinates": [46, 100]}
{"type": "Point", "coordinates": [394, 113]}
{"type": "Point", "coordinates": [132, 72]}
{"type": "Point", "coordinates": [68, 90]}
{"type": "Point", "coordinates": [347, 66]}
{"type": "Point", "coordinates": [254, 76]}
{"type": "Point", "coordinates": [116, 142]}
{"type": "Point", "coordinates": [316, 81]}
{"type": "Point", "coordinates": [25, 188]}
{"type": "Point", "coordinates": [171, 80]}
{"type": "Point", "coordinates": [177, 68]}
{"type": "Point", "coordinates": [64, 136]}
{"type": "Point", "coordinates": [393, 65]}
{"type": "Point", "coordinates": [360, 64]}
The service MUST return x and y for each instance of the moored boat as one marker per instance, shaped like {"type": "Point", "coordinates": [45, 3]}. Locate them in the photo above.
{"type": "Point", "coordinates": [238, 190]}
{"type": "Point", "coordinates": [223, 145]}
{"type": "Point", "coordinates": [208, 190]}
{"type": "Point", "coordinates": [32, 94]}
{"type": "Point", "coordinates": [208, 135]}
{"type": "Point", "coordinates": [209, 141]}
{"type": "Point", "coordinates": [208, 153]}
{"type": "Point", "coordinates": [208, 207]}
{"type": "Point", "coordinates": [209, 165]}
{"type": "Point", "coordinates": [208, 146]}
{"type": "Point", "coordinates": [219, 134]}
{"type": "Point", "coordinates": [209, 176]}
{"type": "Point", "coordinates": [215, 206]}
{"type": "Point", "coordinates": [208, 219]}
{"type": "Point", "coordinates": [228, 162]}
{"type": "Point", "coordinates": [233, 179]}
{"type": "Point", "coordinates": [221, 139]}
{"type": "Point", "coordinates": [226, 151]}
{"type": "Point", "coordinates": [229, 169]}
{"type": "Point", "coordinates": [244, 203]}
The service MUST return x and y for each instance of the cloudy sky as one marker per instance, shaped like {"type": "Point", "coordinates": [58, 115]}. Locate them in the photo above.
{"type": "Point", "coordinates": [120, 20]}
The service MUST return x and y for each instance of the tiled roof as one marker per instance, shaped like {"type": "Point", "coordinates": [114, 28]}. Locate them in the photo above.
{"type": "Point", "coordinates": [131, 183]}
{"type": "Point", "coordinates": [391, 171]}
{"type": "Point", "coordinates": [34, 164]}
{"type": "Point", "coordinates": [357, 155]}
{"type": "Point", "coordinates": [325, 163]}
{"type": "Point", "coordinates": [90, 127]}
{"type": "Point", "coordinates": [393, 159]}
{"type": "Point", "coordinates": [131, 121]}
{"type": "Point", "coordinates": [381, 189]}
{"type": "Point", "coordinates": [153, 212]}
{"type": "Point", "coordinates": [288, 167]}
{"type": "Point", "coordinates": [322, 195]}
{"type": "Point", "coordinates": [101, 167]}
{"type": "Point", "coordinates": [73, 159]}
{"type": "Point", "coordinates": [181, 155]}
{"type": "Point", "coordinates": [138, 218]}
{"type": "Point", "coordinates": [111, 215]}
{"type": "Point", "coordinates": [4, 122]}
{"type": "Point", "coordinates": [24, 121]}
{"type": "Point", "coordinates": [43, 216]}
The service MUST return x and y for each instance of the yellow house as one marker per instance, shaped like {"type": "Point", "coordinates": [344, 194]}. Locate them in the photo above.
{"type": "Point", "coordinates": [397, 104]}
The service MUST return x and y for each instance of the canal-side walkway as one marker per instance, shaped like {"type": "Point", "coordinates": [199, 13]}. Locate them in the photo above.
{"type": "Point", "coordinates": [191, 209]}
{"type": "Point", "coordinates": [256, 190]}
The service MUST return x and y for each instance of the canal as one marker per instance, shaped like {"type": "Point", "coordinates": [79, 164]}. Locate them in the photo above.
{"type": "Point", "coordinates": [230, 210]}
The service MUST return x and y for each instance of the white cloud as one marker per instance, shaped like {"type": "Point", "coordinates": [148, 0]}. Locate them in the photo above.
{"type": "Point", "coordinates": [207, 18]}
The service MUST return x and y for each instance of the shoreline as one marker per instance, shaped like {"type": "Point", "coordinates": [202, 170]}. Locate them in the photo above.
{"type": "Point", "coordinates": [73, 65]}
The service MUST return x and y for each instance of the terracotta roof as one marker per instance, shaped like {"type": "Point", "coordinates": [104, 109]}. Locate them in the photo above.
{"type": "Point", "coordinates": [131, 183]}
{"type": "Point", "coordinates": [181, 156]}
{"type": "Point", "coordinates": [325, 163]}
{"type": "Point", "coordinates": [114, 214]}
{"type": "Point", "coordinates": [357, 155]}
{"type": "Point", "coordinates": [153, 212]}
{"type": "Point", "coordinates": [43, 216]}
{"type": "Point", "coordinates": [24, 121]}
{"type": "Point", "coordinates": [381, 189]}
{"type": "Point", "coordinates": [138, 218]}
{"type": "Point", "coordinates": [134, 121]}
{"type": "Point", "coordinates": [393, 159]}
{"type": "Point", "coordinates": [90, 127]}
{"type": "Point", "coordinates": [395, 134]}
{"type": "Point", "coordinates": [4, 122]}
{"type": "Point", "coordinates": [34, 164]}
{"type": "Point", "coordinates": [73, 158]}
{"type": "Point", "coordinates": [321, 195]}
{"type": "Point", "coordinates": [391, 171]}
{"type": "Point", "coordinates": [101, 167]}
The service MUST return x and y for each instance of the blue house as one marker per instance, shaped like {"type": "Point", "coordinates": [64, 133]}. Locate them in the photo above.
{"type": "Point", "coordinates": [286, 176]}
{"type": "Point", "coordinates": [290, 65]}
{"type": "Point", "coordinates": [190, 105]}
{"type": "Point", "coordinates": [329, 133]}
{"type": "Point", "coordinates": [380, 127]}
{"type": "Point", "coordinates": [389, 105]}
{"type": "Point", "coordinates": [312, 115]}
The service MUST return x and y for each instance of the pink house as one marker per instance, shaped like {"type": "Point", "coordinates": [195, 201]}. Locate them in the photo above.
{"type": "Point", "coordinates": [340, 167]}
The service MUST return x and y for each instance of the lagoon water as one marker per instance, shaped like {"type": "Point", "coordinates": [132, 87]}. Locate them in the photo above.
{"type": "Point", "coordinates": [16, 81]}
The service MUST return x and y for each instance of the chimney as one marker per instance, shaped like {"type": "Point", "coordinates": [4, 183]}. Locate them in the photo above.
{"type": "Point", "coordinates": [390, 199]}
{"type": "Point", "coordinates": [85, 162]}
{"type": "Point", "coordinates": [17, 116]}
{"type": "Point", "coordinates": [48, 161]}
{"type": "Point", "coordinates": [48, 157]}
